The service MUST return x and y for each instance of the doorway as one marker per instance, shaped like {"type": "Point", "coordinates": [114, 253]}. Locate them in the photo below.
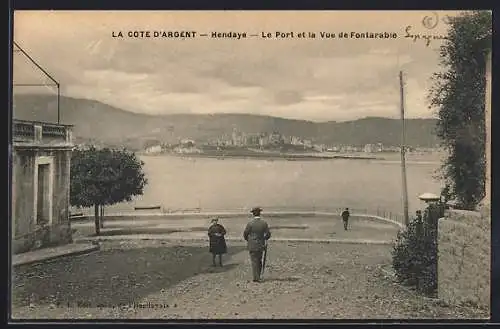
{"type": "Point", "coordinates": [43, 190]}
{"type": "Point", "coordinates": [42, 207]}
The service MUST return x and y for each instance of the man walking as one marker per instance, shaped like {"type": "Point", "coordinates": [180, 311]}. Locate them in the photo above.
{"type": "Point", "coordinates": [256, 234]}
{"type": "Point", "coordinates": [345, 217]}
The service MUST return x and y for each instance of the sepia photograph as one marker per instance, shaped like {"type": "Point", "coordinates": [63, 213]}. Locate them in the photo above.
{"type": "Point", "coordinates": [250, 165]}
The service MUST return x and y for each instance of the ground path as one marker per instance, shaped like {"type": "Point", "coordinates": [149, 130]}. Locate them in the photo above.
{"type": "Point", "coordinates": [161, 280]}
{"type": "Point", "coordinates": [283, 227]}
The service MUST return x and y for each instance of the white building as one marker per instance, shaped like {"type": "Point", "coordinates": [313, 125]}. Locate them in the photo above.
{"type": "Point", "coordinates": [294, 140]}
{"type": "Point", "coordinates": [153, 149]}
{"type": "Point", "coordinates": [187, 150]}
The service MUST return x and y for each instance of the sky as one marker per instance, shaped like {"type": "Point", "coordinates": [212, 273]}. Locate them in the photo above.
{"type": "Point", "coordinates": [316, 79]}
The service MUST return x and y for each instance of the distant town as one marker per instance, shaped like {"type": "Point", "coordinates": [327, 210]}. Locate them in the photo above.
{"type": "Point", "coordinates": [266, 142]}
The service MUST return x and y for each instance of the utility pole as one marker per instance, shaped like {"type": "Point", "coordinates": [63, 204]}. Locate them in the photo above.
{"type": "Point", "coordinates": [403, 149]}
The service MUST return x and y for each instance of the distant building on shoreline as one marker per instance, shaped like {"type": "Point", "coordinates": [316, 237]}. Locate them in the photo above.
{"type": "Point", "coordinates": [154, 149]}
{"type": "Point", "coordinates": [373, 148]}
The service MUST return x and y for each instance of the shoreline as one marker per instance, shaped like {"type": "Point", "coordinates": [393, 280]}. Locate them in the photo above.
{"type": "Point", "coordinates": [266, 156]}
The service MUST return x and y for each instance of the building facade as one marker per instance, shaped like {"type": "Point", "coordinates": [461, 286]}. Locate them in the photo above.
{"type": "Point", "coordinates": [154, 149]}
{"type": "Point", "coordinates": [41, 158]}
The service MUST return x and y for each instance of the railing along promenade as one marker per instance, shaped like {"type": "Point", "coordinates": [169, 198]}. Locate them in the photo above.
{"type": "Point", "coordinates": [272, 211]}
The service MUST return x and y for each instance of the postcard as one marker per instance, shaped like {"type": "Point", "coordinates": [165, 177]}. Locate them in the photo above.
{"type": "Point", "coordinates": [238, 165]}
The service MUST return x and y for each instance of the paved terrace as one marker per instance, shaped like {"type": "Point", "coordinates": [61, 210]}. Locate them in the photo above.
{"type": "Point", "coordinates": [161, 279]}
{"type": "Point", "coordinates": [284, 226]}
{"type": "Point", "coordinates": [158, 267]}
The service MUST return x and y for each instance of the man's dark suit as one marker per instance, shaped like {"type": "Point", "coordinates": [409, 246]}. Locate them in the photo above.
{"type": "Point", "coordinates": [256, 234]}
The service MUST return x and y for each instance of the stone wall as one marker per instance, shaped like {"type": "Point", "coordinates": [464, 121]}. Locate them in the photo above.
{"type": "Point", "coordinates": [47, 236]}
{"type": "Point", "coordinates": [26, 234]}
{"type": "Point", "coordinates": [22, 192]}
{"type": "Point", "coordinates": [464, 258]}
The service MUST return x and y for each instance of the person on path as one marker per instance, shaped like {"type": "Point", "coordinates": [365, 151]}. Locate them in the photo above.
{"type": "Point", "coordinates": [256, 234]}
{"type": "Point", "coordinates": [345, 218]}
{"type": "Point", "coordinates": [418, 216]}
{"type": "Point", "coordinates": [419, 221]}
{"type": "Point", "coordinates": [217, 241]}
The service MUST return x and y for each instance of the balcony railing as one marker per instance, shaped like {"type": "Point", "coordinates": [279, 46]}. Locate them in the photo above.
{"type": "Point", "coordinates": [41, 132]}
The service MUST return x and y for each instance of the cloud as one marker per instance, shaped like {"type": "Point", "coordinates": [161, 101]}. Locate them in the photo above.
{"type": "Point", "coordinates": [309, 79]}
{"type": "Point", "coordinates": [287, 97]}
{"type": "Point", "coordinates": [324, 98]}
{"type": "Point", "coordinates": [381, 51]}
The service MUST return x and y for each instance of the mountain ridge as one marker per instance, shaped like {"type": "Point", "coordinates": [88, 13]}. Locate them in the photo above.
{"type": "Point", "coordinates": [96, 121]}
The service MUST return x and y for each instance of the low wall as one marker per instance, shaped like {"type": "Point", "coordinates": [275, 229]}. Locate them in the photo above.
{"type": "Point", "coordinates": [228, 215]}
{"type": "Point", "coordinates": [57, 234]}
{"type": "Point", "coordinates": [464, 269]}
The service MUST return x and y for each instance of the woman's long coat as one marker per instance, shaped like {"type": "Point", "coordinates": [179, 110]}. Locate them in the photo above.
{"type": "Point", "coordinates": [217, 242]}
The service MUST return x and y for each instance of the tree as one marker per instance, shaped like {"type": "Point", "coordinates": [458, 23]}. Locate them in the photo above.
{"type": "Point", "coordinates": [458, 93]}
{"type": "Point", "coordinates": [104, 177]}
{"type": "Point", "coordinates": [151, 142]}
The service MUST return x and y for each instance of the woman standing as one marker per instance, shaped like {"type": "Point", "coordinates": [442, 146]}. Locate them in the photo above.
{"type": "Point", "coordinates": [216, 233]}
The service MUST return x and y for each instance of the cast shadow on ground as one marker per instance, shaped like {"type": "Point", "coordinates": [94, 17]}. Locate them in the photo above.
{"type": "Point", "coordinates": [218, 269]}
{"type": "Point", "coordinates": [286, 279]}
{"type": "Point", "coordinates": [137, 230]}
{"type": "Point", "coordinates": [111, 277]}
{"type": "Point", "coordinates": [147, 229]}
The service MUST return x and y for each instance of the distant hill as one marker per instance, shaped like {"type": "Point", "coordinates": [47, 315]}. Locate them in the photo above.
{"type": "Point", "coordinates": [97, 121]}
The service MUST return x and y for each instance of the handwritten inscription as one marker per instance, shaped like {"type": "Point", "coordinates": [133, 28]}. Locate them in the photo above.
{"type": "Point", "coordinates": [419, 36]}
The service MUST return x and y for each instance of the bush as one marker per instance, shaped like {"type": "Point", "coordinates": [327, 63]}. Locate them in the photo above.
{"type": "Point", "coordinates": [414, 256]}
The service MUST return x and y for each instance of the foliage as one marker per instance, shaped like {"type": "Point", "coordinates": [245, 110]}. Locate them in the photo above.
{"type": "Point", "coordinates": [105, 177]}
{"type": "Point", "coordinates": [151, 142]}
{"type": "Point", "coordinates": [458, 93]}
{"type": "Point", "coordinates": [446, 193]}
{"type": "Point", "coordinates": [414, 256]}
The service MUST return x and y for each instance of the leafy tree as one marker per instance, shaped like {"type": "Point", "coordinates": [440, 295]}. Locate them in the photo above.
{"type": "Point", "coordinates": [104, 177]}
{"type": "Point", "coordinates": [458, 93]}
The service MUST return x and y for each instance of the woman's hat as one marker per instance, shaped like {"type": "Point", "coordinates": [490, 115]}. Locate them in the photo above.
{"type": "Point", "coordinates": [256, 210]}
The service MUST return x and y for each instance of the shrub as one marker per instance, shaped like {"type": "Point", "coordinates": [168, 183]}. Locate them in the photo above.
{"type": "Point", "coordinates": [414, 256]}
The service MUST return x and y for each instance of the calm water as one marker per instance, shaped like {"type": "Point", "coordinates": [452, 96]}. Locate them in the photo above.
{"type": "Point", "coordinates": [229, 184]}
